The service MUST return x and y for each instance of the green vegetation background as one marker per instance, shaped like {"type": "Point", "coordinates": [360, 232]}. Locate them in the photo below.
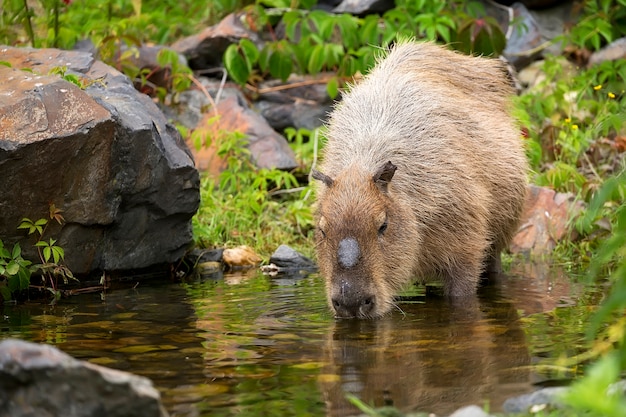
{"type": "Point", "coordinates": [573, 120]}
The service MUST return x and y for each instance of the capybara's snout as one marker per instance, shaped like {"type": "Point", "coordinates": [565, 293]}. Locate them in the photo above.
{"type": "Point", "coordinates": [351, 300]}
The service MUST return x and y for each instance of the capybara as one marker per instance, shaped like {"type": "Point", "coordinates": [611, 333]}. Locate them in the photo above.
{"type": "Point", "coordinates": [423, 176]}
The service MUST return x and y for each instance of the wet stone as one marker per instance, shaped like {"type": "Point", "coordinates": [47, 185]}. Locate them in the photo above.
{"type": "Point", "coordinates": [285, 257]}
{"type": "Point", "coordinates": [42, 380]}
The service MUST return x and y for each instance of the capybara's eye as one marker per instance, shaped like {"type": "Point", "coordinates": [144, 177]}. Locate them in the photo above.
{"type": "Point", "coordinates": [322, 232]}
{"type": "Point", "coordinates": [382, 228]}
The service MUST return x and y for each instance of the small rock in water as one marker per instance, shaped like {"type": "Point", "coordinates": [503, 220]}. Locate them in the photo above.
{"type": "Point", "coordinates": [470, 411]}
{"type": "Point", "coordinates": [286, 257]}
{"type": "Point", "coordinates": [241, 257]}
{"type": "Point", "coordinates": [523, 403]}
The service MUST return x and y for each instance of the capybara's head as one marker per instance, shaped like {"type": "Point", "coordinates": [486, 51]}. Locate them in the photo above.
{"type": "Point", "coordinates": [361, 239]}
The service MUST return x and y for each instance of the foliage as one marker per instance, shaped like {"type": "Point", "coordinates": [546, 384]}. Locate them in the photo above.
{"type": "Point", "coordinates": [305, 144]}
{"type": "Point", "coordinates": [602, 22]}
{"type": "Point", "coordinates": [117, 28]}
{"type": "Point", "coordinates": [80, 82]}
{"type": "Point", "coordinates": [245, 205]}
{"type": "Point", "coordinates": [594, 395]}
{"type": "Point", "coordinates": [61, 23]}
{"type": "Point", "coordinates": [316, 41]}
{"type": "Point", "coordinates": [16, 272]}
{"type": "Point", "coordinates": [572, 118]}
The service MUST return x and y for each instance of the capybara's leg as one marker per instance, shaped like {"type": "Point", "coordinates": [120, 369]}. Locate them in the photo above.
{"type": "Point", "coordinates": [461, 278]}
{"type": "Point", "coordinates": [493, 263]}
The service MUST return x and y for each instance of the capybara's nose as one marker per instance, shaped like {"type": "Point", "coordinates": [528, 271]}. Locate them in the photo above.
{"type": "Point", "coordinates": [360, 307]}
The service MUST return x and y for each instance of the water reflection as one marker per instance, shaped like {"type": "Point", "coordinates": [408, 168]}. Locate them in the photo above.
{"type": "Point", "coordinates": [436, 358]}
{"type": "Point", "coordinates": [252, 345]}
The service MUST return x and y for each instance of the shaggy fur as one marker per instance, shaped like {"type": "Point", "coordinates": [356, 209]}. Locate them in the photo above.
{"type": "Point", "coordinates": [424, 168]}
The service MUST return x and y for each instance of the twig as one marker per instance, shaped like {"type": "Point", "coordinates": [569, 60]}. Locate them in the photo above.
{"type": "Point", "coordinates": [591, 166]}
{"type": "Point", "coordinates": [288, 86]}
{"type": "Point", "coordinates": [289, 191]}
{"type": "Point", "coordinates": [532, 51]}
{"type": "Point", "coordinates": [206, 93]}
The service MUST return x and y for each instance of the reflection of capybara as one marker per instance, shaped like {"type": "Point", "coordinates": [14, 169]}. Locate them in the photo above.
{"type": "Point", "coordinates": [424, 175]}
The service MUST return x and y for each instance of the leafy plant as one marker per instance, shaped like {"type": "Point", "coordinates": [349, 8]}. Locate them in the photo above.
{"type": "Point", "coordinates": [80, 82]}
{"type": "Point", "coordinates": [246, 205]}
{"type": "Point", "coordinates": [115, 27]}
{"type": "Point", "coordinates": [602, 22]}
{"type": "Point", "coordinates": [15, 271]}
{"type": "Point", "coordinates": [50, 254]}
{"type": "Point", "coordinates": [572, 118]}
{"type": "Point", "coordinates": [316, 41]}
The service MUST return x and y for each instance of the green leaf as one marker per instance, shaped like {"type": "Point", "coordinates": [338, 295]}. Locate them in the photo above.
{"type": "Point", "coordinates": [13, 283]}
{"type": "Point", "coordinates": [278, 4]}
{"type": "Point", "coordinates": [12, 268]}
{"type": "Point", "coordinates": [444, 31]}
{"type": "Point", "coordinates": [24, 278]}
{"type": "Point", "coordinates": [292, 21]}
{"type": "Point", "coordinates": [17, 251]}
{"type": "Point", "coordinates": [58, 253]}
{"type": "Point", "coordinates": [316, 60]}
{"type": "Point", "coordinates": [592, 393]}
{"type": "Point", "coordinates": [369, 30]}
{"type": "Point", "coordinates": [5, 292]}
{"type": "Point", "coordinates": [250, 52]}
{"type": "Point", "coordinates": [236, 65]}
{"type": "Point", "coordinates": [264, 56]}
{"type": "Point", "coordinates": [332, 87]}
{"type": "Point", "coordinates": [324, 24]}
{"type": "Point", "coordinates": [47, 253]}
{"type": "Point", "coordinates": [280, 65]}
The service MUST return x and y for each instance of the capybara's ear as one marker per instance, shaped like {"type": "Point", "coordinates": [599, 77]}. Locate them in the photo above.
{"type": "Point", "coordinates": [384, 175]}
{"type": "Point", "coordinates": [322, 177]}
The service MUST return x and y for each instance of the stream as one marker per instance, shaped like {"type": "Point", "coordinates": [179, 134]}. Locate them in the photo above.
{"type": "Point", "coordinates": [251, 345]}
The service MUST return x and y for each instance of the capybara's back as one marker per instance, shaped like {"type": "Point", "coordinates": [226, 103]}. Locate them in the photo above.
{"type": "Point", "coordinates": [423, 176]}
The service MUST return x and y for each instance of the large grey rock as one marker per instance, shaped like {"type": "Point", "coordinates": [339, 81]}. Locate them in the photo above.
{"type": "Point", "coordinates": [105, 155]}
{"type": "Point", "coordinates": [40, 380]}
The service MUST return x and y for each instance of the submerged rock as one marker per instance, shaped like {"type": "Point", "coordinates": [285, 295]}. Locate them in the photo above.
{"type": "Point", "coordinates": [40, 380]}
{"type": "Point", "coordinates": [470, 411]}
{"type": "Point", "coordinates": [103, 153]}
{"type": "Point", "coordinates": [543, 397]}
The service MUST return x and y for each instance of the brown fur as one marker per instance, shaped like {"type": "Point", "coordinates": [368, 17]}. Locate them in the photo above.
{"type": "Point", "coordinates": [454, 201]}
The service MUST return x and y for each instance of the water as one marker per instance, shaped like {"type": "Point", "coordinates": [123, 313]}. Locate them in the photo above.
{"type": "Point", "coordinates": [254, 345]}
